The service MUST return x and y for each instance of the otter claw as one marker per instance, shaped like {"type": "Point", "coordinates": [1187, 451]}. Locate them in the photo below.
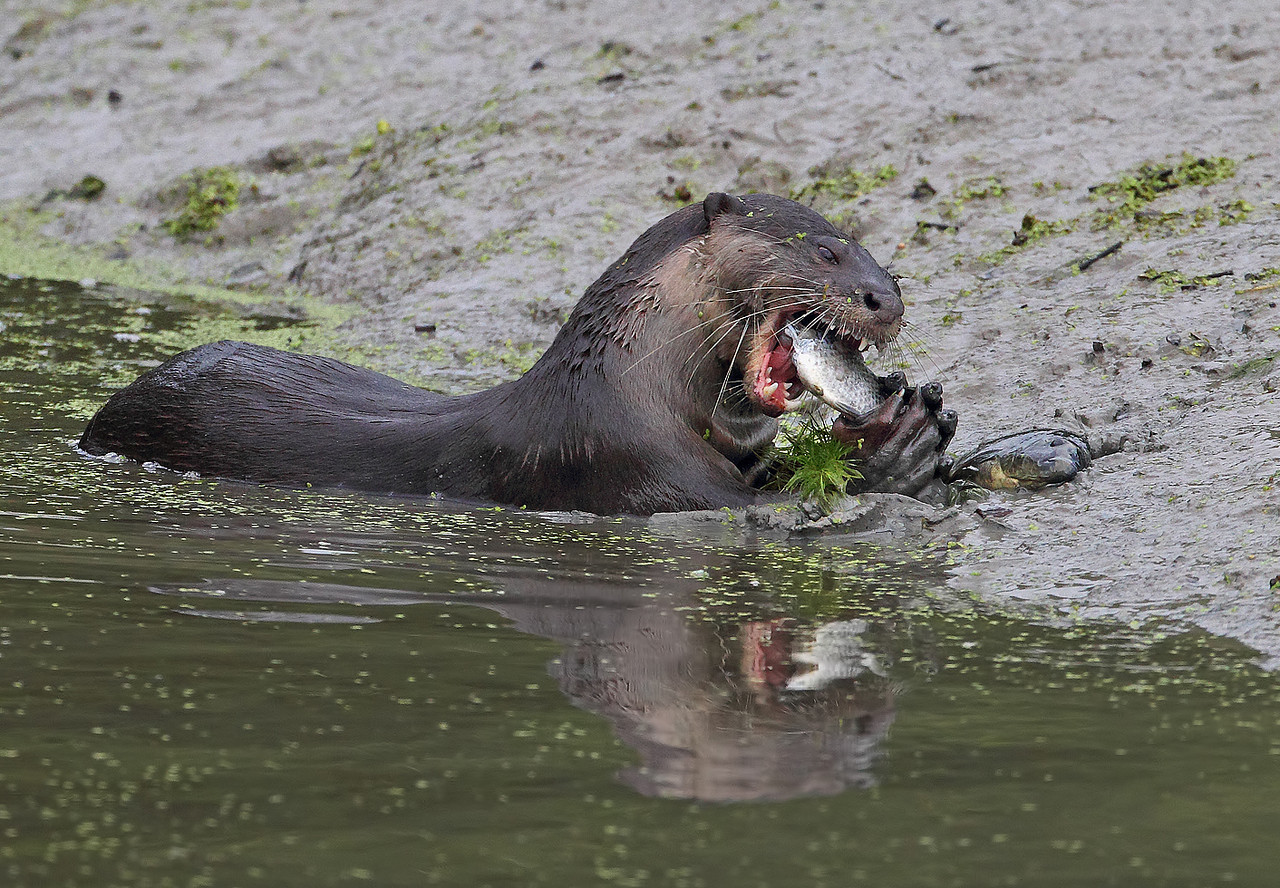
{"type": "Point", "coordinates": [902, 444]}
{"type": "Point", "coordinates": [894, 382]}
{"type": "Point", "coordinates": [947, 424]}
{"type": "Point", "coordinates": [932, 394]}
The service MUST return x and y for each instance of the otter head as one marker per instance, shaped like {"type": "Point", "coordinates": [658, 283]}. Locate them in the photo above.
{"type": "Point", "coordinates": [774, 261]}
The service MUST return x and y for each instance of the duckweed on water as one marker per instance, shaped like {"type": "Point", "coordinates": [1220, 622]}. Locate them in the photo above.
{"type": "Point", "coordinates": [26, 252]}
{"type": "Point", "coordinates": [398, 692]}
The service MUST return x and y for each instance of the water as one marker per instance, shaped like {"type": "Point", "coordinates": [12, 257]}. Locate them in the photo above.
{"type": "Point", "coordinates": [205, 683]}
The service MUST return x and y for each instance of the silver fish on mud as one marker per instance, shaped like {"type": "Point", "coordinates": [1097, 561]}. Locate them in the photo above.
{"type": "Point", "coordinates": [834, 371]}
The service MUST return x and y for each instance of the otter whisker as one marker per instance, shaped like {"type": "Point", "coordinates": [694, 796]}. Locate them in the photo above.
{"type": "Point", "coordinates": [725, 325]}
{"type": "Point", "coordinates": [905, 353]}
{"type": "Point", "coordinates": [732, 361]}
{"type": "Point", "coordinates": [770, 287]}
{"type": "Point", "coordinates": [717, 334]}
{"type": "Point", "coordinates": [791, 301]}
{"type": "Point", "coordinates": [657, 348]}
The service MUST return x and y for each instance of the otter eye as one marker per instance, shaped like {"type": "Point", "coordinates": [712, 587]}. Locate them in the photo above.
{"type": "Point", "coordinates": [827, 255]}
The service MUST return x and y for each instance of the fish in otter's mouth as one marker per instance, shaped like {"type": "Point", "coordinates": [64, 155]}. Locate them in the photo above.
{"type": "Point", "coordinates": [820, 360]}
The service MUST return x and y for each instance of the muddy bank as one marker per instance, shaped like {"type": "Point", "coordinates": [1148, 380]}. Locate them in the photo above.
{"type": "Point", "coordinates": [996, 153]}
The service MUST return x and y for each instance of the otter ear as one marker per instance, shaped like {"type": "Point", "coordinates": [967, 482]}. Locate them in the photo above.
{"type": "Point", "coordinates": [718, 202]}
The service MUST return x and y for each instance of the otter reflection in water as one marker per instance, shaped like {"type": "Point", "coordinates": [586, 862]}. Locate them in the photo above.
{"type": "Point", "coordinates": [766, 708]}
{"type": "Point", "coordinates": [660, 393]}
{"type": "Point", "coordinates": [788, 710]}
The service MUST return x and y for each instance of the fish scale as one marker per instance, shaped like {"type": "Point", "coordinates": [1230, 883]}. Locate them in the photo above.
{"type": "Point", "coordinates": [834, 371]}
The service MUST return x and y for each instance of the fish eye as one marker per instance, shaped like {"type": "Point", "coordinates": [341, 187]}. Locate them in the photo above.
{"type": "Point", "coordinates": [826, 254]}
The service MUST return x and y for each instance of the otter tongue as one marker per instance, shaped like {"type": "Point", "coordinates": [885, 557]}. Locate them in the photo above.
{"type": "Point", "coordinates": [775, 373]}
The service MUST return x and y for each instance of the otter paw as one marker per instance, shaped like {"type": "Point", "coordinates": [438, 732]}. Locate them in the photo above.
{"type": "Point", "coordinates": [901, 445]}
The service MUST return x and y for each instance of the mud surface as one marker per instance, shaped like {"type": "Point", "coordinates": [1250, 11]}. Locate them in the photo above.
{"type": "Point", "coordinates": [525, 144]}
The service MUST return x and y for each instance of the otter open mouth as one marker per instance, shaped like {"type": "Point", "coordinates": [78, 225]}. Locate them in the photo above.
{"type": "Point", "coordinates": [815, 358]}
{"type": "Point", "coordinates": [777, 385]}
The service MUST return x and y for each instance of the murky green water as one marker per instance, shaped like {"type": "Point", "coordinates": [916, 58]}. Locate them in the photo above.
{"type": "Point", "coordinates": [213, 684]}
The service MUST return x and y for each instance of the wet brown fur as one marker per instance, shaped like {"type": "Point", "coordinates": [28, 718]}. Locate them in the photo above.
{"type": "Point", "coordinates": [642, 403]}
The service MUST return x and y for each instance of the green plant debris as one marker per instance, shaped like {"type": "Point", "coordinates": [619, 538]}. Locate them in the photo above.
{"type": "Point", "coordinates": [681, 193]}
{"type": "Point", "coordinates": [88, 188]}
{"type": "Point", "coordinates": [614, 50]}
{"type": "Point", "coordinates": [924, 226]}
{"type": "Point", "coordinates": [511, 356]}
{"type": "Point", "coordinates": [1196, 345]}
{"type": "Point", "coordinates": [1149, 221]}
{"type": "Point", "coordinates": [1266, 279]}
{"type": "Point", "coordinates": [923, 190]}
{"type": "Point", "coordinates": [1169, 280]}
{"type": "Point", "coordinates": [1130, 193]}
{"type": "Point", "coordinates": [1256, 365]}
{"type": "Point", "coordinates": [1127, 201]}
{"type": "Point", "coordinates": [814, 464]}
{"type": "Point", "coordinates": [498, 241]}
{"type": "Point", "coordinates": [25, 252]}
{"type": "Point", "coordinates": [746, 22]}
{"type": "Point", "coordinates": [365, 145]}
{"type": "Point", "coordinates": [972, 189]}
{"type": "Point", "coordinates": [286, 319]}
{"type": "Point", "coordinates": [981, 189]}
{"type": "Point", "coordinates": [763, 89]}
{"type": "Point", "coordinates": [1029, 232]}
{"type": "Point", "coordinates": [1236, 211]}
{"type": "Point", "coordinates": [1033, 229]}
{"type": "Point", "coordinates": [492, 126]}
{"type": "Point", "coordinates": [1152, 221]}
{"type": "Point", "coordinates": [843, 182]}
{"type": "Point", "coordinates": [209, 195]}
{"type": "Point", "coordinates": [31, 32]}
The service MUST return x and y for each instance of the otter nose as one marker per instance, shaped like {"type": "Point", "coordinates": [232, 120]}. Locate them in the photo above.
{"type": "Point", "coordinates": [885, 306]}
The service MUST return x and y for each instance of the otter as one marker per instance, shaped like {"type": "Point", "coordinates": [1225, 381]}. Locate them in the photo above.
{"type": "Point", "coordinates": [660, 393]}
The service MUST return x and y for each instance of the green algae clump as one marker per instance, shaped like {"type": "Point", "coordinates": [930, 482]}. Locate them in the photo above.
{"type": "Point", "coordinates": [1131, 192]}
{"type": "Point", "coordinates": [209, 195]}
{"type": "Point", "coordinates": [843, 183]}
